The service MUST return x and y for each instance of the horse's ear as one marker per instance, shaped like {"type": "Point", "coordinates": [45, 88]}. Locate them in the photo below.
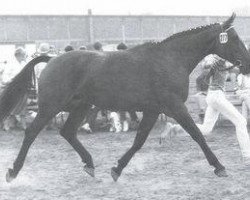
{"type": "Point", "coordinates": [229, 21]}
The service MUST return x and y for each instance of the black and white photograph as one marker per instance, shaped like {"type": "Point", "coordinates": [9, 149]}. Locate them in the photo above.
{"type": "Point", "coordinates": [125, 100]}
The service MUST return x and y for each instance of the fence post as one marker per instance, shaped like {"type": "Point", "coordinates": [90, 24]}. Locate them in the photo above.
{"type": "Point", "coordinates": [123, 34]}
{"type": "Point", "coordinates": [141, 30]}
{"type": "Point", "coordinates": [158, 29]}
{"type": "Point", "coordinates": [90, 26]}
{"type": "Point", "coordinates": [28, 28]}
{"type": "Point", "coordinates": [5, 29]}
{"type": "Point", "coordinates": [68, 28]}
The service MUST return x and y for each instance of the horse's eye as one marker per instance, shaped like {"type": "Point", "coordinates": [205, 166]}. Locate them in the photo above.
{"type": "Point", "coordinates": [237, 63]}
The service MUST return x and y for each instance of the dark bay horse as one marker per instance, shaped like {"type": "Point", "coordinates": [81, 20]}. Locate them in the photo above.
{"type": "Point", "coordinates": [152, 78]}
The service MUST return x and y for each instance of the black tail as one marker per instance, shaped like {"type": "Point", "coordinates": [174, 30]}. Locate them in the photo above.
{"type": "Point", "coordinates": [19, 86]}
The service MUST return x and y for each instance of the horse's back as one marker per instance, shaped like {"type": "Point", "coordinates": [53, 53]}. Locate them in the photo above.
{"type": "Point", "coordinates": [121, 82]}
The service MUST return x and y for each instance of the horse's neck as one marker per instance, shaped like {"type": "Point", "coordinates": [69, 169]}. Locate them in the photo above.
{"type": "Point", "coordinates": [192, 48]}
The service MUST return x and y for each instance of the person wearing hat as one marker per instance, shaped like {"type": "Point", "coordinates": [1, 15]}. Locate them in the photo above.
{"type": "Point", "coordinates": [15, 66]}
{"type": "Point", "coordinates": [43, 49]}
{"type": "Point", "coordinates": [11, 70]}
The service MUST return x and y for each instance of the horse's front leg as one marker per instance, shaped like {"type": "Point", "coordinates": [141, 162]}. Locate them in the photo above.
{"type": "Point", "coordinates": [147, 123]}
{"type": "Point", "coordinates": [181, 115]}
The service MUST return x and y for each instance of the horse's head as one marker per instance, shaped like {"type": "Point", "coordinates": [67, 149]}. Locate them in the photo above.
{"type": "Point", "coordinates": [229, 46]}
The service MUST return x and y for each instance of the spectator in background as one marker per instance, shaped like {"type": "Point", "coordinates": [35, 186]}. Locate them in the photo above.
{"type": "Point", "coordinates": [97, 46]}
{"type": "Point", "coordinates": [43, 49]}
{"type": "Point", "coordinates": [17, 117]}
{"type": "Point", "coordinates": [68, 48]}
{"type": "Point", "coordinates": [121, 46]}
{"type": "Point", "coordinates": [83, 48]}
{"type": "Point", "coordinates": [14, 66]}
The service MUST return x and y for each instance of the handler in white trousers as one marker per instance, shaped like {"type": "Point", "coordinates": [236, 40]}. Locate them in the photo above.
{"type": "Point", "coordinates": [218, 104]}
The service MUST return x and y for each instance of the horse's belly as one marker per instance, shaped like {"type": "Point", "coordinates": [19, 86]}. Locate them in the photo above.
{"type": "Point", "coordinates": [120, 100]}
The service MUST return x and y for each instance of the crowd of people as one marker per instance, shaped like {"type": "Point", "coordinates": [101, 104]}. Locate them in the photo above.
{"type": "Point", "coordinates": [96, 119]}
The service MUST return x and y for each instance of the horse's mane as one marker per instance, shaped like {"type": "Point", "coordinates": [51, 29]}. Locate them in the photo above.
{"type": "Point", "coordinates": [176, 36]}
{"type": "Point", "coordinates": [189, 32]}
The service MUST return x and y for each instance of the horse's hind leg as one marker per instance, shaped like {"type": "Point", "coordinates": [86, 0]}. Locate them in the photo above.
{"type": "Point", "coordinates": [69, 132]}
{"type": "Point", "coordinates": [145, 126]}
{"type": "Point", "coordinates": [30, 135]}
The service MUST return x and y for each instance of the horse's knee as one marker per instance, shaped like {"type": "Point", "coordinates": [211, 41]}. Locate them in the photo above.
{"type": "Point", "coordinates": [68, 135]}
{"type": "Point", "coordinates": [29, 136]}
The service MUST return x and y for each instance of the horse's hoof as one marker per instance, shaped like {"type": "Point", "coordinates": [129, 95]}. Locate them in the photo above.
{"type": "Point", "coordinates": [89, 170]}
{"type": "Point", "coordinates": [221, 172]}
{"type": "Point", "coordinates": [10, 175]}
{"type": "Point", "coordinates": [114, 174]}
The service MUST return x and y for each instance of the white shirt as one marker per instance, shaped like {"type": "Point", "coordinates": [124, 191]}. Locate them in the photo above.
{"type": "Point", "coordinates": [11, 69]}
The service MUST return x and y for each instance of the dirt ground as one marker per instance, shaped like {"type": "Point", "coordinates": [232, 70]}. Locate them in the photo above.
{"type": "Point", "coordinates": [175, 170]}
